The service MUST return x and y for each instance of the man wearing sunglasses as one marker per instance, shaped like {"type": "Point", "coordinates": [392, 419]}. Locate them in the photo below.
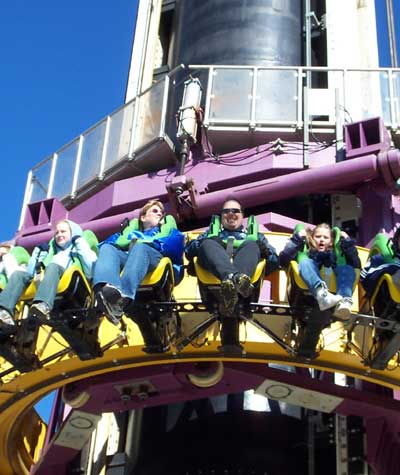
{"type": "Point", "coordinates": [233, 265]}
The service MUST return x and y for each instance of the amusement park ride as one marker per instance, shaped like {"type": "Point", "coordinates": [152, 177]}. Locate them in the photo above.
{"type": "Point", "coordinates": [280, 104]}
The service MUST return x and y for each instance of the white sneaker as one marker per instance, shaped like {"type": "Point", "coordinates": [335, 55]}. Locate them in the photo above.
{"type": "Point", "coordinates": [5, 317]}
{"type": "Point", "coordinates": [343, 309]}
{"type": "Point", "coordinates": [325, 298]}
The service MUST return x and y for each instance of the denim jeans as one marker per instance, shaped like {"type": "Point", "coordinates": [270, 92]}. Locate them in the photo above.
{"type": "Point", "coordinates": [47, 289]}
{"type": "Point", "coordinates": [214, 258]}
{"type": "Point", "coordinates": [136, 263]}
{"type": "Point", "coordinates": [345, 277]}
{"type": "Point", "coordinates": [19, 280]}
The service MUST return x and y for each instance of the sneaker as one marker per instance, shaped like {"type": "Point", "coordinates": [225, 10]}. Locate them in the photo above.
{"type": "Point", "coordinates": [7, 324]}
{"type": "Point", "coordinates": [111, 302]}
{"type": "Point", "coordinates": [325, 298]}
{"type": "Point", "coordinates": [6, 317]}
{"type": "Point", "coordinates": [229, 297]}
{"type": "Point", "coordinates": [243, 285]}
{"type": "Point", "coordinates": [343, 309]}
{"type": "Point", "coordinates": [40, 311]}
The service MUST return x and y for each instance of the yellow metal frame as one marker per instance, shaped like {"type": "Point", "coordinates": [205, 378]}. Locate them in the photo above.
{"type": "Point", "coordinates": [20, 445]}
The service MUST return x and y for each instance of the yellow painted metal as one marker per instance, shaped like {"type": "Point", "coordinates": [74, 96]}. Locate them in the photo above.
{"type": "Point", "coordinates": [20, 444]}
{"type": "Point", "coordinates": [209, 279]}
{"type": "Point", "coordinates": [394, 290]}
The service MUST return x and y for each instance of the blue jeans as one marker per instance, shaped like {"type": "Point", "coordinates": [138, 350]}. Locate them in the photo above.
{"type": "Point", "coordinates": [345, 277]}
{"type": "Point", "coordinates": [19, 280]}
{"type": "Point", "coordinates": [136, 263]}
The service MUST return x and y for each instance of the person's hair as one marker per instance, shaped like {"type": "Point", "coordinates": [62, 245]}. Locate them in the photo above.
{"type": "Point", "coordinates": [311, 232]}
{"type": "Point", "coordinates": [232, 198]}
{"type": "Point", "coordinates": [147, 206]}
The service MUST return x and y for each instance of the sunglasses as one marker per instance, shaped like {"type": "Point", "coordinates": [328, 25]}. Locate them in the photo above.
{"type": "Point", "coordinates": [231, 210]}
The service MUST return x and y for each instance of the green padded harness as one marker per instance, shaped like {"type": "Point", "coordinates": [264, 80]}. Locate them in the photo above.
{"type": "Point", "coordinates": [22, 257]}
{"type": "Point", "coordinates": [383, 245]}
{"type": "Point", "coordinates": [166, 227]}
{"type": "Point", "coordinates": [340, 258]}
{"type": "Point", "coordinates": [251, 231]}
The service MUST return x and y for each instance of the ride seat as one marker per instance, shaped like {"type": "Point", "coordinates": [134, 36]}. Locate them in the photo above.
{"type": "Point", "coordinates": [73, 285]}
{"type": "Point", "coordinates": [328, 276]}
{"type": "Point", "coordinates": [208, 279]}
{"type": "Point", "coordinates": [159, 283]}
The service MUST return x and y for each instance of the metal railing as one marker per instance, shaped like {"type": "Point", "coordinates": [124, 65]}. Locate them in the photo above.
{"type": "Point", "coordinates": [237, 98]}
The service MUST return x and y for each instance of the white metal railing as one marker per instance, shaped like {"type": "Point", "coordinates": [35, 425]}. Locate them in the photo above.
{"type": "Point", "coordinates": [236, 97]}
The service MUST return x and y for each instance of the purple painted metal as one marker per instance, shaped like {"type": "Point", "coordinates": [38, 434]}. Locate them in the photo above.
{"type": "Point", "coordinates": [127, 196]}
{"type": "Point", "coordinates": [344, 175]}
{"type": "Point", "coordinates": [55, 418]}
{"type": "Point", "coordinates": [366, 136]}
{"type": "Point", "coordinates": [169, 383]}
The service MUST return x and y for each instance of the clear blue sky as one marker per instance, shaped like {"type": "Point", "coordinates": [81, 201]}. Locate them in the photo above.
{"type": "Point", "coordinates": [64, 67]}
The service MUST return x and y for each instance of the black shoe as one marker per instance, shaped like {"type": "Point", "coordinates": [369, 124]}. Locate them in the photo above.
{"type": "Point", "coordinates": [243, 285]}
{"type": "Point", "coordinates": [229, 297]}
{"type": "Point", "coordinates": [111, 302]}
{"type": "Point", "coordinates": [7, 330]}
{"type": "Point", "coordinates": [40, 311]}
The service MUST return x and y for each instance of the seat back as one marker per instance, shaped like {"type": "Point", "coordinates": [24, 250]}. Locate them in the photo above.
{"type": "Point", "coordinates": [382, 245]}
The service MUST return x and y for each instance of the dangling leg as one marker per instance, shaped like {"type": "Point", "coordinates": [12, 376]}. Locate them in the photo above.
{"type": "Point", "coordinates": [9, 298]}
{"type": "Point", "coordinates": [345, 278]}
{"type": "Point", "coordinates": [46, 293]}
{"type": "Point", "coordinates": [309, 272]}
{"type": "Point", "coordinates": [246, 259]}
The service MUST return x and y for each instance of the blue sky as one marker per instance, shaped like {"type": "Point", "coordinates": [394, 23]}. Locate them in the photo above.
{"type": "Point", "coordinates": [64, 67]}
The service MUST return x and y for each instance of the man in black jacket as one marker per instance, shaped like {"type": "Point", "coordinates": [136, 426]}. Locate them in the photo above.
{"type": "Point", "coordinates": [233, 263]}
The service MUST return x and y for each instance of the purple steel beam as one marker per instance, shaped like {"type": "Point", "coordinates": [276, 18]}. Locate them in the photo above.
{"type": "Point", "coordinates": [325, 179]}
{"type": "Point", "coordinates": [384, 169]}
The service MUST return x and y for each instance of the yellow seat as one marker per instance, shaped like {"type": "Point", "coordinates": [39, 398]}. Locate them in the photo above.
{"type": "Point", "coordinates": [67, 280]}
{"type": "Point", "coordinates": [154, 277]}
{"type": "Point", "coordinates": [206, 278]}
{"type": "Point", "coordinates": [394, 291]}
{"type": "Point", "coordinates": [294, 275]}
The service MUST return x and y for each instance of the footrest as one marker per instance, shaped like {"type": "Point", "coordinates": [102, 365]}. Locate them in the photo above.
{"type": "Point", "coordinates": [20, 351]}
{"type": "Point", "coordinates": [79, 330]}
{"type": "Point", "coordinates": [387, 348]}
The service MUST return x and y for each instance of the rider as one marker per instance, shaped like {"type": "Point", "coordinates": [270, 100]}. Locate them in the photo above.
{"type": "Point", "coordinates": [67, 246]}
{"type": "Point", "coordinates": [136, 251]}
{"type": "Point", "coordinates": [213, 254]}
{"type": "Point", "coordinates": [315, 249]}
{"type": "Point", "coordinates": [378, 264]}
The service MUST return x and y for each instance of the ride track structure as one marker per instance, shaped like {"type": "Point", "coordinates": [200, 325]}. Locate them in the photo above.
{"type": "Point", "coordinates": [125, 377]}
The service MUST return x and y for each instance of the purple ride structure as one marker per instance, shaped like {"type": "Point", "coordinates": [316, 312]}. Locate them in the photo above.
{"type": "Point", "coordinates": [278, 103]}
